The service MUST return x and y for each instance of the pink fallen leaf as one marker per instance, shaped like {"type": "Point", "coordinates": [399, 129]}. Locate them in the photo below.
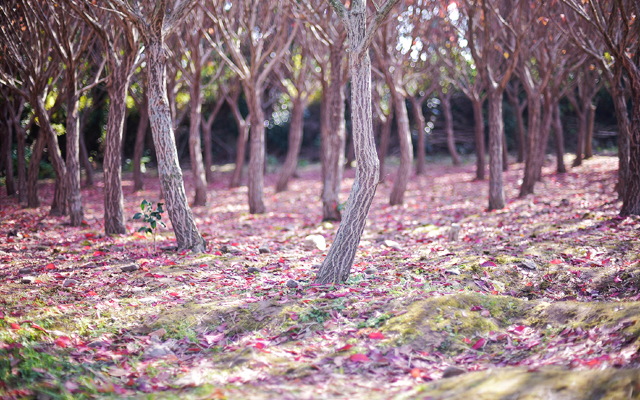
{"type": "Point", "coordinates": [556, 261]}
{"type": "Point", "coordinates": [15, 326]}
{"type": "Point", "coordinates": [416, 372]}
{"type": "Point", "coordinates": [345, 347]}
{"type": "Point", "coordinates": [488, 264]}
{"type": "Point", "coordinates": [358, 357]}
{"type": "Point", "coordinates": [467, 340]}
{"type": "Point", "coordinates": [476, 308]}
{"type": "Point", "coordinates": [485, 313]}
{"type": "Point", "coordinates": [376, 335]}
{"type": "Point", "coordinates": [259, 345]}
{"type": "Point", "coordinates": [50, 266]}
{"type": "Point", "coordinates": [62, 341]}
{"type": "Point", "coordinates": [38, 327]}
{"type": "Point", "coordinates": [481, 342]}
{"type": "Point", "coordinates": [174, 294]}
{"type": "Point", "coordinates": [617, 280]}
{"type": "Point", "coordinates": [70, 386]}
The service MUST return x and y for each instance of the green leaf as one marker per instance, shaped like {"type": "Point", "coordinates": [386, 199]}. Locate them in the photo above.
{"type": "Point", "coordinates": [149, 230]}
{"type": "Point", "coordinates": [162, 223]}
{"type": "Point", "coordinates": [137, 216]}
{"type": "Point", "coordinates": [153, 224]}
{"type": "Point", "coordinates": [143, 229]}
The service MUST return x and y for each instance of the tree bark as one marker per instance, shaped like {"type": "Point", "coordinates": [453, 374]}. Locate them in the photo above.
{"type": "Point", "coordinates": [496, 129]}
{"type": "Point", "coordinates": [337, 265]}
{"type": "Point", "coordinates": [518, 110]}
{"type": "Point", "coordinates": [86, 164]}
{"type": "Point", "coordinates": [22, 176]}
{"type": "Point", "coordinates": [622, 117]}
{"type": "Point", "coordinates": [255, 184]}
{"type": "Point", "coordinates": [505, 152]}
{"type": "Point", "coordinates": [545, 131]}
{"type": "Point", "coordinates": [448, 125]}
{"type": "Point", "coordinates": [72, 162]}
{"type": "Point", "coordinates": [195, 148]}
{"type": "Point", "coordinates": [421, 163]}
{"type": "Point", "coordinates": [479, 138]}
{"type": "Point", "coordinates": [8, 160]}
{"type": "Point", "coordinates": [406, 149]}
{"type": "Point", "coordinates": [384, 140]}
{"type": "Point", "coordinates": [241, 146]}
{"type": "Point", "coordinates": [295, 142]}
{"type": "Point", "coordinates": [529, 179]}
{"type": "Point", "coordinates": [588, 140]}
{"type": "Point", "coordinates": [207, 136]}
{"type": "Point", "coordinates": [557, 128]}
{"type": "Point", "coordinates": [33, 200]}
{"type": "Point", "coordinates": [581, 136]}
{"type": "Point", "coordinates": [631, 203]}
{"type": "Point", "coordinates": [187, 235]}
{"type": "Point", "coordinates": [138, 149]}
{"type": "Point", "coordinates": [335, 140]}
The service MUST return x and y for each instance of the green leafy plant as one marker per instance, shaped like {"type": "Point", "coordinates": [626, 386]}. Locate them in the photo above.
{"type": "Point", "coordinates": [152, 217]}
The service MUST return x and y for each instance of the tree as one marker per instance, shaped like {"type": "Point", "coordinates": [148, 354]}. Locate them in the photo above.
{"type": "Point", "coordinates": [252, 37]}
{"type": "Point", "coordinates": [445, 91]}
{"type": "Point", "coordinates": [7, 139]}
{"type": "Point", "coordinates": [231, 92]}
{"type": "Point", "coordinates": [383, 110]}
{"type": "Point", "coordinates": [495, 46]}
{"type": "Point", "coordinates": [513, 95]}
{"type": "Point", "coordinates": [582, 100]}
{"type": "Point", "coordinates": [139, 94]}
{"type": "Point", "coordinates": [15, 110]}
{"type": "Point", "coordinates": [337, 265]}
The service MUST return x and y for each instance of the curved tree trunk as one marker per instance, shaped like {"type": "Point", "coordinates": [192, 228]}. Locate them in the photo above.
{"type": "Point", "coordinates": [256, 150]}
{"type": "Point", "coordinates": [187, 235]}
{"type": "Point", "coordinates": [529, 178]}
{"type": "Point", "coordinates": [195, 148]}
{"type": "Point", "coordinates": [72, 162]}
{"type": "Point", "coordinates": [334, 149]}
{"type": "Point", "coordinates": [448, 126]}
{"type": "Point", "coordinates": [406, 150]}
{"type": "Point", "coordinates": [86, 164]}
{"type": "Point", "coordinates": [622, 116]}
{"type": "Point", "coordinates": [384, 140]}
{"type": "Point", "coordinates": [295, 142]}
{"type": "Point", "coordinates": [496, 129]}
{"type": "Point", "coordinates": [138, 149]}
{"type": "Point", "coordinates": [479, 138]}
{"type": "Point", "coordinates": [557, 128]}
{"type": "Point", "coordinates": [33, 200]}
{"type": "Point", "coordinates": [337, 265]}
{"type": "Point", "coordinates": [421, 164]}
{"type": "Point", "coordinates": [588, 140]}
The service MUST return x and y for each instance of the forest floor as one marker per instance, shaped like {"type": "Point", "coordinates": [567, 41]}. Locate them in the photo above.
{"type": "Point", "coordinates": [539, 300]}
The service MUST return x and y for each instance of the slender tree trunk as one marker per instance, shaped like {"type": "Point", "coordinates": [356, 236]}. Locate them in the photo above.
{"type": "Point", "coordinates": [385, 134]}
{"type": "Point", "coordinates": [22, 176]}
{"type": "Point", "coordinates": [406, 150]}
{"type": "Point", "coordinates": [195, 147]}
{"type": "Point", "coordinates": [86, 164]}
{"type": "Point", "coordinates": [351, 153]}
{"type": "Point", "coordinates": [241, 153]}
{"type": "Point", "coordinates": [479, 138]}
{"type": "Point", "coordinates": [33, 200]}
{"type": "Point", "coordinates": [334, 150]}
{"type": "Point", "coordinates": [515, 104]}
{"type": "Point", "coordinates": [138, 149]}
{"type": "Point", "coordinates": [582, 128]}
{"type": "Point", "coordinates": [337, 265]}
{"type": "Point", "coordinates": [295, 142]}
{"type": "Point", "coordinates": [8, 160]}
{"type": "Point", "coordinates": [448, 126]}
{"type": "Point", "coordinates": [505, 152]}
{"type": "Point", "coordinates": [72, 162]}
{"type": "Point", "coordinates": [557, 128]}
{"type": "Point", "coordinates": [421, 164]}
{"type": "Point", "coordinates": [588, 140]}
{"type": "Point", "coordinates": [543, 139]}
{"type": "Point", "coordinates": [206, 136]}
{"type": "Point", "coordinates": [256, 151]}
{"type": "Point", "coordinates": [622, 116]}
{"type": "Point", "coordinates": [187, 235]}
{"type": "Point", "coordinates": [496, 129]}
{"type": "Point", "coordinates": [112, 164]}
{"type": "Point", "coordinates": [529, 179]}
{"type": "Point", "coordinates": [58, 206]}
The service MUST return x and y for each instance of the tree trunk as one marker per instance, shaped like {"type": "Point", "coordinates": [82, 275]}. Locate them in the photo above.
{"type": "Point", "coordinates": [622, 116]}
{"type": "Point", "coordinates": [582, 128]}
{"type": "Point", "coordinates": [557, 128]}
{"type": "Point", "coordinates": [8, 160]}
{"type": "Point", "coordinates": [22, 176]}
{"type": "Point", "coordinates": [384, 140]}
{"type": "Point", "coordinates": [241, 153]}
{"type": "Point", "coordinates": [496, 129]}
{"type": "Point", "coordinates": [112, 164]}
{"type": "Point", "coordinates": [86, 164]}
{"type": "Point", "coordinates": [206, 136]}
{"type": "Point", "coordinates": [406, 150]}
{"type": "Point", "coordinates": [631, 203]}
{"type": "Point", "coordinates": [33, 200]}
{"type": "Point", "coordinates": [588, 140]}
{"type": "Point", "coordinates": [421, 164]}
{"type": "Point", "coordinates": [529, 179]}
{"type": "Point", "coordinates": [448, 125]}
{"type": "Point", "coordinates": [337, 265]}
{"type": "Point", "coordinates": [138, 149]}
{"type": "Point", "coordinates": [543, 139]}
{"type": "Point", "coordinates": [72, 162]}
{"type": "Point", "coordinates": [520, 131]}
{"type": "Point", "coordinates": [479, 138]}
{"type": "Point", "coordinates": [295, 142]}
{"type": "Point", "coordinates": [335, 140]}
{"type": "Point", "coordinates": [505, 152]}
{"type": "Point", "coordinates": [187, 235]}
{"type": "Point", "coordinates": [256, 150]}
{"type": "Point", "coordinates": [195, 148]}
{"type": "Point", "coordinates": [58, 206]}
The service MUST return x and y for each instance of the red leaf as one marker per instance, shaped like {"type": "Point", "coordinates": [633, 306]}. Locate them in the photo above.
{"type": "Point", "coordinates": [1, 315]}
{"type": "Point", "coordinates": [376, 335]}
{"type": "Point", "coordinates": [62, 341]}
{"type": "Point", "coordinates": [91, 293]}
{"type": "Point", "coordinates": [38, 327]}
{"type": "Point", "coordinates": [174, 294]}
{"type": "Point", "coordinates": [98, 253]}
{"type": "Point", "coordinates": [466, 340]}
{"type": "Point", "coordinates": [416, 372]}
{"type": "Point", "coordinates": [359, 358]}
{"type": "Point", "coordinates": [218, 253]}
{"type": "Point", "coordinates": [15, 326]}
{"type": "Point", "coordinates": [50, 266]}
{"type": "Point", "coordinates": [556, 261]}
{"type": "Point", "coordinates": [346, 347]}
{"type": "Point", "coordinates": [476, 308]}
{"type": "Point", "coordinates": [259, 345]}
{"type": "Point", "coordinates": [488, 264]}
{"type": "Point", "coordinates": [479, 344]}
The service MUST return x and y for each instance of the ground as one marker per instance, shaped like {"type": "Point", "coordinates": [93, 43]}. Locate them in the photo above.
{"type": "Point", "coordinates": [535, 301]}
